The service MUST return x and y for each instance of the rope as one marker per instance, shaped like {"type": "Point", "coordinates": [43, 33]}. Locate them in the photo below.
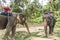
{"type": "Point", "coordinates": [12, 9]}
{"type": "Point", "coordinates": [8, 17]}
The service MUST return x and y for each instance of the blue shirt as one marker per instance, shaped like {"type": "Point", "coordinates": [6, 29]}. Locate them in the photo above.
{"type": "Point", "coordinates": [4, 12]}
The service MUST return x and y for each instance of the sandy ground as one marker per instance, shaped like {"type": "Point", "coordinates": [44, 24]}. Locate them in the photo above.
{"type": "Point", "coordinates": [41, 33]}
{"type": "Point", "coordinates": [36, 28]}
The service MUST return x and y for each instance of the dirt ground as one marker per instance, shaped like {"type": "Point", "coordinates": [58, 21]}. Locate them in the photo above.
{"type": "Point", "coordinates": [40, 30]}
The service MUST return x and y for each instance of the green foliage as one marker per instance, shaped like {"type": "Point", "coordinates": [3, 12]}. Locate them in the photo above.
{"type": "Point", "coordinates": [36, 20]}
{"type": "Point", "coordinates": [34, 10]}
{"type": "Point", "coordinates": [57, 16]}
{"type": "Point", "coordinates": [19, 5]}
{"type": "Point", "coordinates": [54, 4]}
{"type": "Point", "coordinates": [18, 10]}
{"type": "Point", "coordinates": [0, 8]}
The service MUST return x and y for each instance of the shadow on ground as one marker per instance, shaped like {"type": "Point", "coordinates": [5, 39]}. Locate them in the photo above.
{"type": "Point", "coordinates": [23, 35]}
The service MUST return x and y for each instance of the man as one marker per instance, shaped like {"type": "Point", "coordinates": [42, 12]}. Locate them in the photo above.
{"type": "Point", "coordinates": [6, 10]}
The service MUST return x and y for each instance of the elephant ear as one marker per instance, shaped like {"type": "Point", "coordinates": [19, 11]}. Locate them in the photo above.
{"type": "Point", "coordinates": [18, 17]}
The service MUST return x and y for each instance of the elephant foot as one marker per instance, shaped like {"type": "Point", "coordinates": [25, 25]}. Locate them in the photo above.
{"type": "Point", "coordinates": [4, 39]}
{"type": "Point", "coordinates": [12, 38]}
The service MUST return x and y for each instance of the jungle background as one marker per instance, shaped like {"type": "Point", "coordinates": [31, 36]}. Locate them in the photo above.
{"type": "Point", "coordinates": [34, 11]}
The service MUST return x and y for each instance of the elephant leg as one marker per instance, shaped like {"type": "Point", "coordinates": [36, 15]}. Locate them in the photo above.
{"type": "Point", "coordinates": [8, 29]}
{"type": "Point", "coordinates": [53, 28]}
{"type": "Point", "coordinates": [54, 22]}
{"type": "Point", "coordinates": [50, 29]}
{"type": "Point", "coordinates": [27, 27]}
{"type": "Point", "coordinates": [13, 33]}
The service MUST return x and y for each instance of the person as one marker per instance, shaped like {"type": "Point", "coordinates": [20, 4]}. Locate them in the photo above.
{"type": "Point", "coordinates": [6, 10]}
{"type": "Point", "coordinates": [51, 13]}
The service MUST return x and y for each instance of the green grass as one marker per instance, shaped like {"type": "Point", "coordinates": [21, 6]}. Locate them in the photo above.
{"type": "Point", "coordinates": [58, 33]}
{"type": "Point", "coordinates": [22, 35]}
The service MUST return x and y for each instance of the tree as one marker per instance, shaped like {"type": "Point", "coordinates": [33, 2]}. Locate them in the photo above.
{"type": "Point", "coordinates": [20, 4]}
{"type": "Point", "coordinates": [54, 4]}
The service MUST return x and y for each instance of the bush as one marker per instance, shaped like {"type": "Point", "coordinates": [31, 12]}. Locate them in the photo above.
{"type": "Point", "coordinates": [36, 20]}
